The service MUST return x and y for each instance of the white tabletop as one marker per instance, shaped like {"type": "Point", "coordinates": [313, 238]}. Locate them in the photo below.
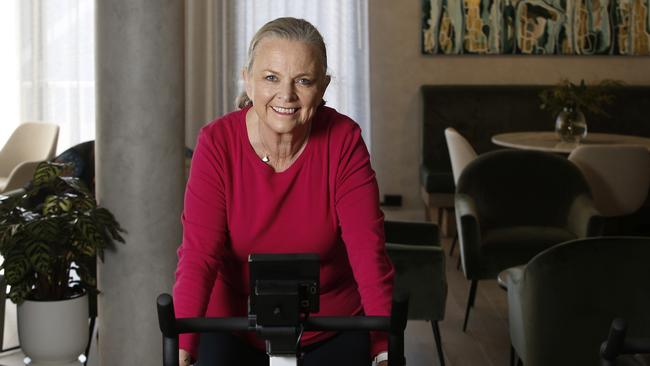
{"type": "Point", "coordinates": [550, 142]}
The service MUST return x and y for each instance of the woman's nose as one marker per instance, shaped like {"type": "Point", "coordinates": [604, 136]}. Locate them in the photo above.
{"type": "Point", "coordinates": [287, 92]}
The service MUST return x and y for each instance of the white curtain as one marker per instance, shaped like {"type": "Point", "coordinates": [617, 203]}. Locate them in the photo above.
{"type": "Point", "coordinates": [9, 68]}
{"type": "Point", "coordinates": [57, 66]}
{"type": "Point", "coordinates": [218, 34]}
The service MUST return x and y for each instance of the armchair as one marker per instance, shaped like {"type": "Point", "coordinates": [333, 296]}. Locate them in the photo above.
{"type": "Point", "coordinates": [27, 146]}
{"type": "Point", "coordinates": [513, 204]}
{"type": "Point", "coordinates": [461, 153]}
{"type": "Point", "coordinates": [414, 248]}
{"type": "Point", "coordinates": [560, 305]}
{"type": "Point", "coordinates": [619, 177]}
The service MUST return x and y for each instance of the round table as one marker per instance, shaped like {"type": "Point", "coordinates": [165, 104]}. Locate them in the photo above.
{"type": "Point", "coordinates": [550, 142]}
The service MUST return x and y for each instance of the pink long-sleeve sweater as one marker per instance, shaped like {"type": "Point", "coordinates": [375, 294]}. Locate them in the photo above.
{"type": "Point", "coordinates": [325, 203]}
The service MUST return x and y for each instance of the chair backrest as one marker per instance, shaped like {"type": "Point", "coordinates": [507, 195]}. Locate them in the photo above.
{"type": "Point", "coordinates": [82, 159]}
{"type": "Point", "coordinates": [31, 141]}
{"type": "Point", "coordinates": [419, 261]}
{"type": "Point", "coordinates": [571, 292]}
{"type": "Point", "coordinates": [619, 176]}
{"type": "Point", "coordinates": [521, 187]}
{"type": "Point", "coordinates": [461, 151]}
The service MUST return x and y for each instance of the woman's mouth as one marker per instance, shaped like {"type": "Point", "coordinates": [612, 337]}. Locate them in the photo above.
{"type": "Point", "coordinates": [285, 111]}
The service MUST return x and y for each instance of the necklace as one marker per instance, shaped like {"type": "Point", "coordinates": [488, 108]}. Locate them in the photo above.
{"type": "Point", "coordinates": [265, 156]}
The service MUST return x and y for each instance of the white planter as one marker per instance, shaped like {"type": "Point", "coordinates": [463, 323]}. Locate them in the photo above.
{"type": "Point", "coordinates": [53, 332]}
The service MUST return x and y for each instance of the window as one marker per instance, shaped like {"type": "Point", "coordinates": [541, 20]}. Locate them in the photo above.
{"type": "Point", "coordinates": [48, 66]}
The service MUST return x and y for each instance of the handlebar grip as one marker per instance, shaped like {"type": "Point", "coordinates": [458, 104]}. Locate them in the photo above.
{"type": "Point", "coordinates": [167, 323]}
{"type": "Point", "coordinates": [611, 348]}
{"type": "Point", "coordinates": [166, 315]}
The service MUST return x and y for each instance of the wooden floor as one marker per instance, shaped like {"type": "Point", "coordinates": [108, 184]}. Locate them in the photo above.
{"type": "Point", "coordinates": [486, 341]}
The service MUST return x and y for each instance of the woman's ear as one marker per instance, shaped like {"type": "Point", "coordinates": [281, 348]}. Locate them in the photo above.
{"type": "Point", "coordinates": [326, 82]}
{"type": "Point", "coordinates": [247, 82]}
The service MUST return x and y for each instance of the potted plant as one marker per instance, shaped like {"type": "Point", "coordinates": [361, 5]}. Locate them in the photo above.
{"type": "Point", "coordinates": [567, 101]}
{"type": "Point", "coordinates": [49, 238]}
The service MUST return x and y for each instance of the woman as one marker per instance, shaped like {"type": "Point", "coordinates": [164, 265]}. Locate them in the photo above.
{"type": "Point", "coordinates": [284, 174]}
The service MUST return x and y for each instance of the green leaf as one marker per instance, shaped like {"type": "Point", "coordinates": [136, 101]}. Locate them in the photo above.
{"type": "Point", "coordinates": [106, 220]}
{"type": "Point", "coordinates": [84, 203]}
{"type": "Point", "coordinates": [6, 238]}
{"type": "Point", "coordinates": [46, 172]}
{"type": "Point", "coordinates": [18, 293]}
{"type": "Point", "coordinates": [55, 205]}
{"type": "Point", "coordinates": [88, 236]}
{"type": "Point", "coordinates": [46, 228]}
{"type": "Point", "coordinates": [592, 98]}
{"type": "Point", "coordinates": [16, 269]}
{"type": "Point", "coordinates": [39, 255]}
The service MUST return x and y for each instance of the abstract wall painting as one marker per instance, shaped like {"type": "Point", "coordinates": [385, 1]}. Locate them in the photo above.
{"type": "Point", "coordinates": [536, 27]}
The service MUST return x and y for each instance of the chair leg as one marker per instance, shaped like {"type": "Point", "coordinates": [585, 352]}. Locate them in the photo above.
{"type": "Point", "coordinates": [473, 292]}
{"type": "Point", "coordinates": [470, 301]}
{"type": "Point", "coordinates": [453, 244]}
{"type": "Point", "coordinates": [436, 336]}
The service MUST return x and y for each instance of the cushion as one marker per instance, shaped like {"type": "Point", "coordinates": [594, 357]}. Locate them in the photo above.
{"type": "Point", "coordinates": [437, 182]}
{"type": "Point", "coordinates": [498, 246]}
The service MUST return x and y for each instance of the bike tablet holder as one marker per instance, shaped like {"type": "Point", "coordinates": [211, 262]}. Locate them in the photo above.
{"type": "Point", "coordinates": [284, 289]}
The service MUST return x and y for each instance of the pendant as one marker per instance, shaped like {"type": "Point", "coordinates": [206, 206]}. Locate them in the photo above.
{"type": "Point", "coordinates": [265, 158]}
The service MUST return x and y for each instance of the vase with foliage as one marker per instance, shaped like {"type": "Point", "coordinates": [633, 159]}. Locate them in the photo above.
{"type": "Point", "coordinates": [568, 102]}
{"type": "Point", "coordinates": [50, 236]}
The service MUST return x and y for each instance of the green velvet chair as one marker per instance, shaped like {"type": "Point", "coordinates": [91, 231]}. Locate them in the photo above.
{"type": "Point", "coordinates": [513, 204]}
{"type": "Point", "coordinates": [561, 304]}
{"type": "Point", "coordinates": [414, 248]}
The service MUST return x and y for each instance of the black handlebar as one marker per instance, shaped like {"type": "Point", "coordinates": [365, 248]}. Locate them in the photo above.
{"type": "Point", "coordinates": [171, 327]}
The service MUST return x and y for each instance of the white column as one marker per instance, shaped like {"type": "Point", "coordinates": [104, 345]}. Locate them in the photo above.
{"type": "Point", "coordinates": [139, 162]}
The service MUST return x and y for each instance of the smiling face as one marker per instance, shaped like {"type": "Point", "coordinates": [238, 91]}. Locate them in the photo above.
{"type": "Point", "coordinates": [286, 83]}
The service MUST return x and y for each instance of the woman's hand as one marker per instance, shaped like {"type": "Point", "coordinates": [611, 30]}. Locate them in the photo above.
{"type": "Point", "coordinates": [184, 358]}
{"type": "Point", "coordinates": [383, 363]}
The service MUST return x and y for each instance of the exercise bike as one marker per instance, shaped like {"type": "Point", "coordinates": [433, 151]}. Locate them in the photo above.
{"type": "Point", "coordinates": [284, 289]}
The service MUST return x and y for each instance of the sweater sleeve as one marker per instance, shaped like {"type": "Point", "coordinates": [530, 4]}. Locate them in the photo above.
{"type": "Point", "coordinates": [204, 234]}
{"type": "Point", "coordinates": [362, 230]}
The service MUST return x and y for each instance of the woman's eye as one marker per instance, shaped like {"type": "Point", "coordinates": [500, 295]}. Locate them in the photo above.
{"type": "Point", "coordinates": [271, 78]}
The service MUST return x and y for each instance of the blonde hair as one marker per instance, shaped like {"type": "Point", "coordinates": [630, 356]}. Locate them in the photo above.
{"type": "Point", "coordinates": [292, 29]}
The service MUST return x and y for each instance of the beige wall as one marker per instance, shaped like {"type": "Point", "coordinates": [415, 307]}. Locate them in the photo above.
{"type": "Point", "coordinates": [398, 69]}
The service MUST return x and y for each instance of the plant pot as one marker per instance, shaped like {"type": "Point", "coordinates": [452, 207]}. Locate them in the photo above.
{"type": "Point", "coordinates": [571, 125]}
{"type": "Point", "coordinates": [53, 332]}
